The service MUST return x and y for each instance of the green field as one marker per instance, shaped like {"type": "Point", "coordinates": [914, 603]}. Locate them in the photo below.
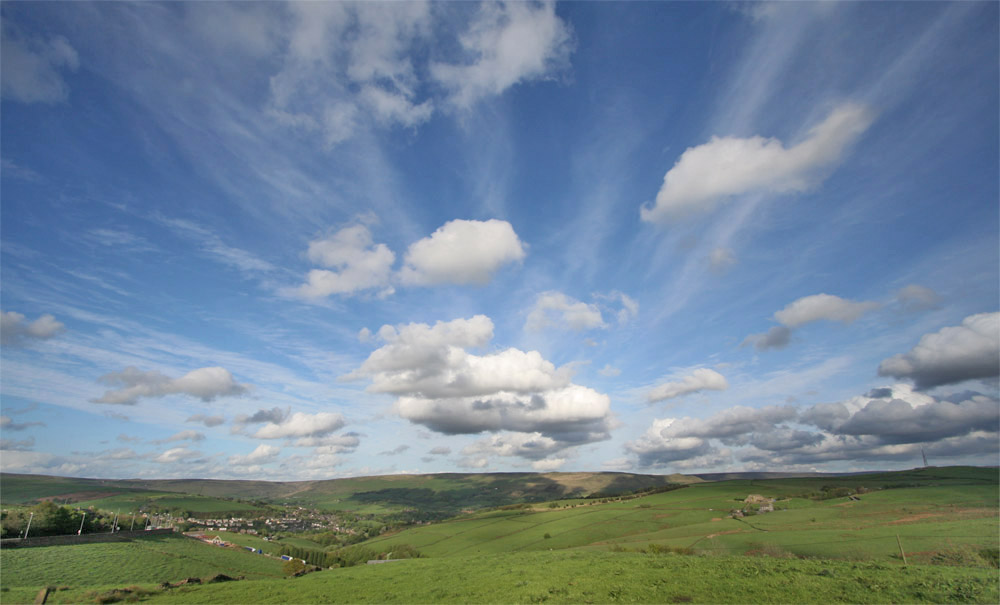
{"type": "Point", "coordinates": [451, 493]}
{"type": "Point", "coordinates": [24, 489]}
{"type": "Point", "coordinates": [439, 495]}
{"type": "Point", "coordinates": [954, 510]}
{"type": "Point", "coordinates": [676, 546]}
{"type": "Point", "coordinates": [145, 500]}
{"type": "Point", "coordinates": [268, 546]}
{"type": "Point", "coordinates": [582, 577]}
{"type": "Point", "coordinates": [150, 559]}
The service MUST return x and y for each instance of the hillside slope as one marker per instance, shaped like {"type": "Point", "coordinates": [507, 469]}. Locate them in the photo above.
{"type": "Point", "coordinates": [444, 494]}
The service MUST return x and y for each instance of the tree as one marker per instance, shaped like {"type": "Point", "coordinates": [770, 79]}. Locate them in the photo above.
{"type": "Point", "coordinates": [293, 567]}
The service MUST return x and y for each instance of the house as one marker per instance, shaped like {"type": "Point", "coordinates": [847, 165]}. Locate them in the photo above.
{"type": "Point", "coordinates": [763, 504]}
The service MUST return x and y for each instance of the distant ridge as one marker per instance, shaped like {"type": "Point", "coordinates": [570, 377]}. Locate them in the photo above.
{"type": "Point", "coordinates": [443, 494]}
{"type": "Point", "coordinates": [769, 475]}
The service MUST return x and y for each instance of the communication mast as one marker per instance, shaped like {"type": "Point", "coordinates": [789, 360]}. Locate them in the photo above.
{"type": "Point", "coordinates": [924, 457]}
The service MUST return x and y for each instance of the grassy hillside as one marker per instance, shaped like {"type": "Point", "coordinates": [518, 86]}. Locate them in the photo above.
{"type": "Point", "coordinates": [23, 489]}
{"type": "Point", "coordinates": [441, 494]}
{"type": "Point", "coordinates": [450, 493]}
{"type": "Point", "coordinates": [591, 577]}
{"type": "Point", "coordinates": [151, 559]}
{"type": "Point", "coordinates": [955, 509]}
{"type": "Point", "coordinates": [818, 546]}
{"type": "Point", "coordinates": [145, 500]}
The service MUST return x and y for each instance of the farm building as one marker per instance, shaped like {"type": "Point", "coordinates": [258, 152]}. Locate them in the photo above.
{"type": "Point", "coordinates": [763, 504]}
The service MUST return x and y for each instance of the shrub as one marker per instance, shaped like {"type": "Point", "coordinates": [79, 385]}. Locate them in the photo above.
{"type": "Point", "coordinates": [403, 551]}
{"type": "Point", "coordinates": [293, 567]}
{"type": "Point", "coordinates": [757, 549]}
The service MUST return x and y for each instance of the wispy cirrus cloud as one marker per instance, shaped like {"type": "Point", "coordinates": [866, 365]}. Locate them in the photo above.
{"type": "Point", "coordinates": [33, 66]}
{"type": "Point", "coordinates": [701, 379]}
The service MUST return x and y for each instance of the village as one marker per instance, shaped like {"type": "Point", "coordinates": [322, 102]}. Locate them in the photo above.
{"type": "Point", "coordinates": [311, 521]}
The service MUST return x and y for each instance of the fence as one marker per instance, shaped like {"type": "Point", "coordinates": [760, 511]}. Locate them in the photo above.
{"type": "Point", "coordinates": [121, 536]}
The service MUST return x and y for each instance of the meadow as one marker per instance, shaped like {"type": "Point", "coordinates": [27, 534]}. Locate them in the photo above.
{"type": "Point", "coordinates": [830, 539]}
{"type": "Point", "coordinates": [145, 500]}
{"type": "Point", "coordinates": [146, 560]}
{"type": "Point", "coordinates": [954, 510]}
{"type": "Point", "coordinates": [435, 496]}
{"type": "Point", "coordinates": [591, 577]}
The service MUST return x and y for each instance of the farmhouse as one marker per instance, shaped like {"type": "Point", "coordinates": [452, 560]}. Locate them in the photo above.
{"type": "Point", "coordinates": [764, 505]}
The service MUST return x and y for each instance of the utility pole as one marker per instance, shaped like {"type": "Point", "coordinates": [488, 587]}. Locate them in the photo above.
{"type": "Point", "coordinates": [131, 527]}
{"type": "Point", "coordinates": [79, 532]}
{"type": "Point", "coordinates": [29, 525]}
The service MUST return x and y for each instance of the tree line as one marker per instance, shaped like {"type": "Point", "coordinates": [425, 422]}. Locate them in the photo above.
{"type": "Point", "coordinates": [49, 519]}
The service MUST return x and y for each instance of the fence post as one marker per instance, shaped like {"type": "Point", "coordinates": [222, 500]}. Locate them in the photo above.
{"type": "Point", "coordinates": [901, 553]}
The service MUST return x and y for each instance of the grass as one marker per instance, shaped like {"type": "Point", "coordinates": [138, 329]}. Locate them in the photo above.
{"type": "Point", "coordinates": [602, 577]}
{"type": "Point", "coordinates": [268, 546]}
{"type": "Point", "coordinates": [151, 559]}
{"type": "Point", "coordinates": [591, 551]}
{"type": "Point", "coordinates": [23, 489]}
{"type": "Point", "coordinates": [442, 494]}
{"type": "Point", "coordinates": [168, 501]}
{"type": "Point", "coordinates": [956, 511]}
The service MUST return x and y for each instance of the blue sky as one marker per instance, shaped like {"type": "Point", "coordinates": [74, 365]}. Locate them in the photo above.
{"type": "Point", "coordinates": [305, 241]}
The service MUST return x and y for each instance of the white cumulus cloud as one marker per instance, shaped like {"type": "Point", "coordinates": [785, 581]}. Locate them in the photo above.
{"type": "Point", "coordinates": [822, 307]}
{"type": "Point", "coordinates": [15, 329]}
{"type": "Point", "coordinates": [262, 454]}
{"type": "Point", "coordinates": [354, 263]}
{"type": "Point", "coordinates": [808, 309]}
{"type": "Point", "coordinates": [176, 454]}
{"type": "Point", "coordinates": [729, 166]}
{"type": "Point", "coordinates": [301, 424]}
{"type": "Point", "coordinates": [533, 446]}
{"type": "Point", "coordinates": [462, 252]}
{"type": "Point", "coordinates": [204, 383]}
{"type": "Point", "coordinates": [952, 354]}
{"type": "Point", "coordinates": [441, 385]}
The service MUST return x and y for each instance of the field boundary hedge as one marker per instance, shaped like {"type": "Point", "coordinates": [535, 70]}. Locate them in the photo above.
{"type": "Point", "coordinates": [121, 536]}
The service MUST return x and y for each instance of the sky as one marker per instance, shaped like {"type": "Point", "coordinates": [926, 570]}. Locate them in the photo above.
{"type": "Point", "coordinates": [308, 241]}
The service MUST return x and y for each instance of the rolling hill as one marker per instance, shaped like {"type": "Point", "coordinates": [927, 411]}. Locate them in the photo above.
{"type": "Point", "coordinates": [443, 494]}
{"type": "Point", "coordinates": [829, 539]}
